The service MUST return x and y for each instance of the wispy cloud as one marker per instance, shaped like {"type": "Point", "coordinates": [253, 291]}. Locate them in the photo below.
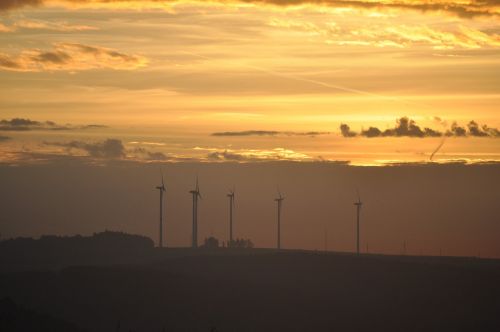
{"type": "Point", "coordinates": [465, 9]}
{"type": "Point", "coordinates": [254, 155]}
{"type": "Point", "coordinates": [45, 25]}
{"type": "Point", "coordinates": [269, 133]}
{"type": "Point", "coordinates": [20, 124]}
{"type": "Point", "coordinates": [393, 35]}
{"type": "Point", "coordinates": [6, 28]}
{"type": "Point", "coordinates": [71, 57]}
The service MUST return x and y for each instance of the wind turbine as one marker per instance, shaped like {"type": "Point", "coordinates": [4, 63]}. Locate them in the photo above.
{"type": "Point", "coordinates": [196, 194]}
{"type": "Point", "coordinates": [278, 201]}
{"type": "Point", "coordinates": [162, 190]}
{"type": "Point", "coordinates": [231, 205]}
{"type": "Point", "coordinates": [358, 205]}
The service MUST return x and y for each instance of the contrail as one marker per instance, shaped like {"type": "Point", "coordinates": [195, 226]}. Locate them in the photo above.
{"type": "Point", "coordinates": [316, 82]}
{"type": "Point", "coordinates": [438, 148]}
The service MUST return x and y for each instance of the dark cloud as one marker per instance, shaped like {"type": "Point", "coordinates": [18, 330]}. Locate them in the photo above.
{"type": "Point", "coordinates": [466, 10]}
{"type": "Point", "coordinates": [269, 133]}
{"type": "Point", "coordinates": [456, 130]}
{"type": "Point", "coordinates": [108, 149]}
{"type": "Point", "coordinates": [428, 132]}
{"type": "Point", "coordinates": [20, 124]}
{"type": "Point", "coordinates": [4, 138]}
{"type": "Point", "coordinates": [8, 63]}
{"type": "Point", "coordinates": [148, 155]}
{"type": "Point", "coordinates": [406, 127]}
{"type": "Point", "coordinates": [475, 130]}
{"type": "Point", "coordinates": [71, 57]}
{"type": "Point", "coordinates": [482, 131]}
{"type": "Point", "coordinates": [371, 132]}
{"type": "Point", "coordinates": [56, 57]}
{"type": "Point", "coordinates": [346, 131]}
{"type": "Point", "coordinates": [13, 4]}
{"type": "Point", "coordinates": [493, 132]}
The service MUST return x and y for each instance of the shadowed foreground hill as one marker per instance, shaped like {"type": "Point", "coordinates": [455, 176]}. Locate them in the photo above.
{"type": "Point", "coordinates": [265, 290]}
{"type": "Point", "coordinates": [14, 318]}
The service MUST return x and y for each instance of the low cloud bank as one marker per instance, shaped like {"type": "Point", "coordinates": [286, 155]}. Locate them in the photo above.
{"type": "Point", "coordinates": [406, 127]}
{"type": "Point", "coordinates": [109, 149]}
{"type": "Point", "coordinates": [20, 124]}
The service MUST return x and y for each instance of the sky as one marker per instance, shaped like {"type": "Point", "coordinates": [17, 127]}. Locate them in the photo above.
{"type": "Point", "coordinates": [96, 85]}
{"type": "Point", "coordinates": [166, 75]}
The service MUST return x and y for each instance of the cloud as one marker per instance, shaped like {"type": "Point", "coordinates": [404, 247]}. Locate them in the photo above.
{"type": "Point", "coordinates": [6, 28]}
{"type": "Point", "coordinates": [45, 25]}
{"type": "Point", "coordinates": [406, 127]}
{"type": "Point", "coordinates": [247, 133]}
{"type": "Point", "coordinates": [4, 138]}
{"type": "Point", "coordinates": [230, 156]}
{"type": "Point", "coordinates": [371, 132]}
{"type": "Point", "coordinates": [475, 130]}
{"type": "Point", "coordinates": [464, 9]}
{"type": "Point", "coordinates": [148, 155]}
{"type": "Point", "coordinates": [20, 124]}
{"type": "Point", "coordinates": [269, 133]}
{"type": "Point", "coordinates": [14, 4]}
{"type": "Point", "coordinates": [345, 130]}
{"type": "Point", "coordinates": [51, 26]}
{"type": "Point", "coordinates": [493, 132]}
{"type": "Point", "coordinates": [393, 35]}
{"type": "Point", "coordinates": [108, 149]}
{"type": "Point", "coordinates": [277, 154]}
{"type": "Point", "coordinates": [71, 57]}
{"type": "Point", "coordinates": [456, 130]}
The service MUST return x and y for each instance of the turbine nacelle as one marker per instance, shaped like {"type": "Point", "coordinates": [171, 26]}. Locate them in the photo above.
{"type": "Point", "coordinates": [196, 191]}
{"type": "Point", "coordinates": [358, 203]}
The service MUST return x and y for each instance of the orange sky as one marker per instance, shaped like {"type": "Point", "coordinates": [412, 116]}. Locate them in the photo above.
{"type": "Point", "coordinates": [174, 72]}
{"type": "Point", "coordinates": [220, 88]}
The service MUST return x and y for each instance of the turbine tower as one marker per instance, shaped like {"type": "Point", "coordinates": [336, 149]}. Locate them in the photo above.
{"type": "Point", "coordinates": [278, 201]}
{"type": "Point", "coordinates": [196, 194]}
{"type": "Point", "coordinates": [162, 190]}
{"type": "Point", "coordinates": [358, 205]}
{"type": "Point", "coordinates": [231, 205]}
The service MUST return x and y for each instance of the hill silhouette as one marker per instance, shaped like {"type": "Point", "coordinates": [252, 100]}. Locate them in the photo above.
{"type": "Point", "coordinates": [58, 251]}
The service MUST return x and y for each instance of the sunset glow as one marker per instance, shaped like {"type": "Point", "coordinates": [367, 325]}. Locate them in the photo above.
{"type": "Point", "coordinates": [175, 72]}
